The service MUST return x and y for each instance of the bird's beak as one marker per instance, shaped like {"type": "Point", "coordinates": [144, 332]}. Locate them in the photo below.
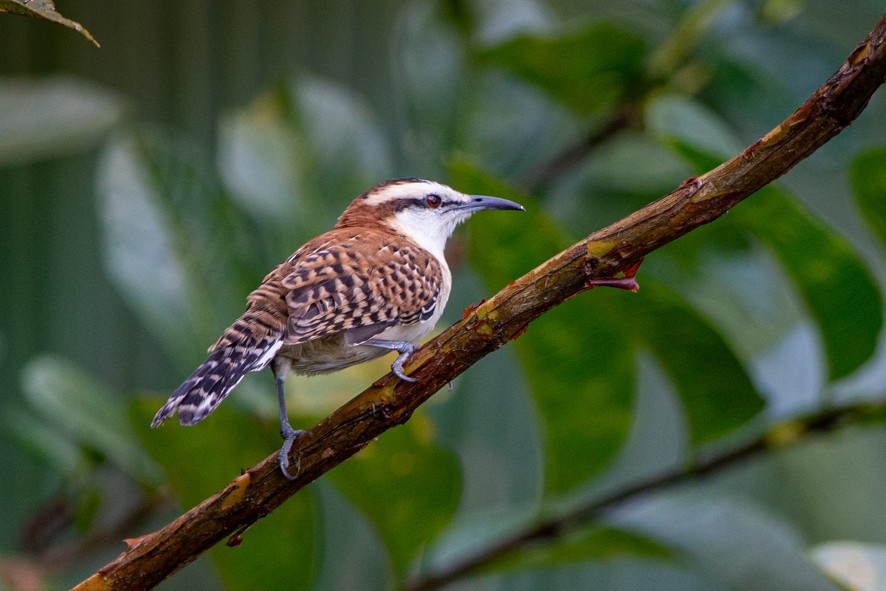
{"type": "Point", "coordinates": [479, 202]}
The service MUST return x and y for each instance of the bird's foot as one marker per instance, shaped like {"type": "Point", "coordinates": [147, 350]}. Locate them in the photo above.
{"type": "Point", "coordinates": [405, 348]}
{"type": "Point", "coordinates": [627, 281]}
{"type": "Point", "coordinates": [397, 366]}
{"type": "Point", "coordinates": [289, 435]}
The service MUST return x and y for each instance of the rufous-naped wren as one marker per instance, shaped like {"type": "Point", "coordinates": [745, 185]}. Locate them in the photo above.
{"type": "Point", "coordinates": [377, 282]}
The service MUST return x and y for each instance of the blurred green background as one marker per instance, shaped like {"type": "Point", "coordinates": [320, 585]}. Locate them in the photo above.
{"type": "Point", "coordinates": [146, 187]}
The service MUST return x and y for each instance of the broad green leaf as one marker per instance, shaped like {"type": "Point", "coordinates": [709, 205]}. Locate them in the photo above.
{"type": "Point", "coordinates": [691, 130]}
{"type": "Point", "coordinates": [716, 390]}
{"type": "Point", "coordinates": [44, 9]}
{"type": "Point", "coordinates": [139, 250]}
{"type": "Point", "coordinates": [45, 440]}
{"type": "Point", "coordinates": [588, 70]}
{"type": "Point", "coordinates": [580, 358]}
{"type": "Point", "coordinates": [278, 552]}
{"type": "Point", "coordinates": [429, 71]}
{"type": "Point", "coordinates": [406, 485]}
{"type": "Point", "coordinates": [174, 243]}
{"type": "Point", "coordinates": [591, 543]}
{"type": "Point", "coordinates": [342, 129]}
{"type": "Point", "coordinates": [581, 368]}
{"type": "Point", "coordinates": [53, 116]}
{"type": "Point", "coordinates": [868, 173]}
{"type": "Point", "coordinates": [856, 566]}
{"type": "Point", "coordinates": [258, 158]}
{"type": "Point", "coordinates": [345, 531]}
{"type": "Point", "coordinates": [734, 543]}
{"type": "Point", "coordinates": [274, 156]}
{"type": "Point", "coordinates": [474, 533]}
{"type": "Point", "coordinates": [87, 412]}
{"type": "Point", "coordinates": [577, 358]}
{"type": "Point", "coordinates": [832, 279]}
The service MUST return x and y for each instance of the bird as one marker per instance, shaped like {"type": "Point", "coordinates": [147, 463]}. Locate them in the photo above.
{"type": "Point", "coordinates": [376, 282]}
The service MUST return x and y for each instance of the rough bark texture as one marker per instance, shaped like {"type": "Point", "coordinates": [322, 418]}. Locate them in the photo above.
{"type": "Point", "coordinates": [604, 254]}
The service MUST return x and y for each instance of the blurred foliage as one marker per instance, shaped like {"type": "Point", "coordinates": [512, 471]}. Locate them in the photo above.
{"type": "Point", "coordinates": [854, 565]}
{"type": "Point", "coordinates": [609, 77]}
{"type": "Point", "coordinates": [281, 543]}
{"type": "Point", "coordinates": [660, 323]}
{"type": "Point", "coordinates": [582, 112]}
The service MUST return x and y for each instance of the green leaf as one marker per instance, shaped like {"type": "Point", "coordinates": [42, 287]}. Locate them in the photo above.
{"type": "Point", "coordinates": [87, 412]}
{"type": "Point", "coordinates": [174, 243]}
{"type": "Point", "coordinates": [259, 157]}
{"type": "Point", "coordinates": [45, 440]}
{"type": "Point", "coordinates": [691, 130]}
{"type": "Point", "coordinates": [581, 368]}
{"type": "Point", "coordinates": [578, 358]}
{"type": "Point", "coordinates": [717, 393]}
{"type": "Point", "coordinates": [278, 552]}
{"type": "Point", "coordinates": [591, 543]}
{"type": "Point", "coordinates": [429, 70]}
{"type": "Point", "coordinates": [406, 485]}
{"type": "Point", "coordinates": [337, 131]}
{"type": "Point", "coordinates": [868, 174]}
{"type": "Point", "coordinates": [588, 70]}
{"type": "Point", "coordinates": [735, 544]}
{"type": "Point", "coordinates": [274, 154]}
{"type": "Point", "coordinates": [832, 279]}
{"type": "Point", "coordinates": [53, 116]}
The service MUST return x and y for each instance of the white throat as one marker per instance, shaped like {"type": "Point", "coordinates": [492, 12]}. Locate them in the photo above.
{"type": "Point", "coordinates": [429, 229]}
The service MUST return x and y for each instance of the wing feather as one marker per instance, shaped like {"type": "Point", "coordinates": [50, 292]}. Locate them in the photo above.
{"type": "Point", "coordinates": [363, 284]}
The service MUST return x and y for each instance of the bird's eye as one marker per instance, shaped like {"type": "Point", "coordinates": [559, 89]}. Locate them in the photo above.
{"type": "Point", "coordinates": [433, 200]}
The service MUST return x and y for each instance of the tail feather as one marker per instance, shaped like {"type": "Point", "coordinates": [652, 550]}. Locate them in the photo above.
{"type": "Point", "coordinates": [216, 377]}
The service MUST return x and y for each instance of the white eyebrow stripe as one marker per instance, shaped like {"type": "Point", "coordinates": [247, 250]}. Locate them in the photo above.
{"type": "Point", "coordinates": [415, 189]}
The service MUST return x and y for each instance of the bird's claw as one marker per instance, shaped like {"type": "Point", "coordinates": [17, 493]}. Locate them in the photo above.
{"type": "Point", "coordinates": [397, 366]}
{"type": "Point", "coordinates": [289, 435]}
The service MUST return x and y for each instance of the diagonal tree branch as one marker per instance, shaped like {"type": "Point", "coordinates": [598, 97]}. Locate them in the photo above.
{"type": "Point", "coordinates": [604, 254]}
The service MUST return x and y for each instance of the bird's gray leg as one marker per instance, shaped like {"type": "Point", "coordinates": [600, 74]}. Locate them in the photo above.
{"type": "Point", "coordinates": [288, 434]}
{"type": "Point", "coordinates": [405, 349]}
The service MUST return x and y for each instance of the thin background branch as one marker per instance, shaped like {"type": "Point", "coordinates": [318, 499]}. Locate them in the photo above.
{"type": "Point", "coordinates": [604, 254]}
{"type": "Point", "coordinates": [787, 432]}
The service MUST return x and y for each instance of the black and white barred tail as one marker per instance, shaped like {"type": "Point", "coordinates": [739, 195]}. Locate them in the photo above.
{"type": "Point", "coordinates": [216, 377]}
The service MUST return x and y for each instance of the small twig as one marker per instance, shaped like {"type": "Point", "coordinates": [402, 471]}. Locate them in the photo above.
{"type": "Point", "coordinates": [782, 434]}
{"type": "Point", "coordinates": [663, 62]}
{"type": "Point", "coordinates": [56, 557]}
{"type": "Point", "coordinates": [542, 175]}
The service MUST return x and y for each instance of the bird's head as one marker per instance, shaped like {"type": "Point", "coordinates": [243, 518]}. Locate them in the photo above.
{"type": "Point", "coordinates": [425, 211]}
